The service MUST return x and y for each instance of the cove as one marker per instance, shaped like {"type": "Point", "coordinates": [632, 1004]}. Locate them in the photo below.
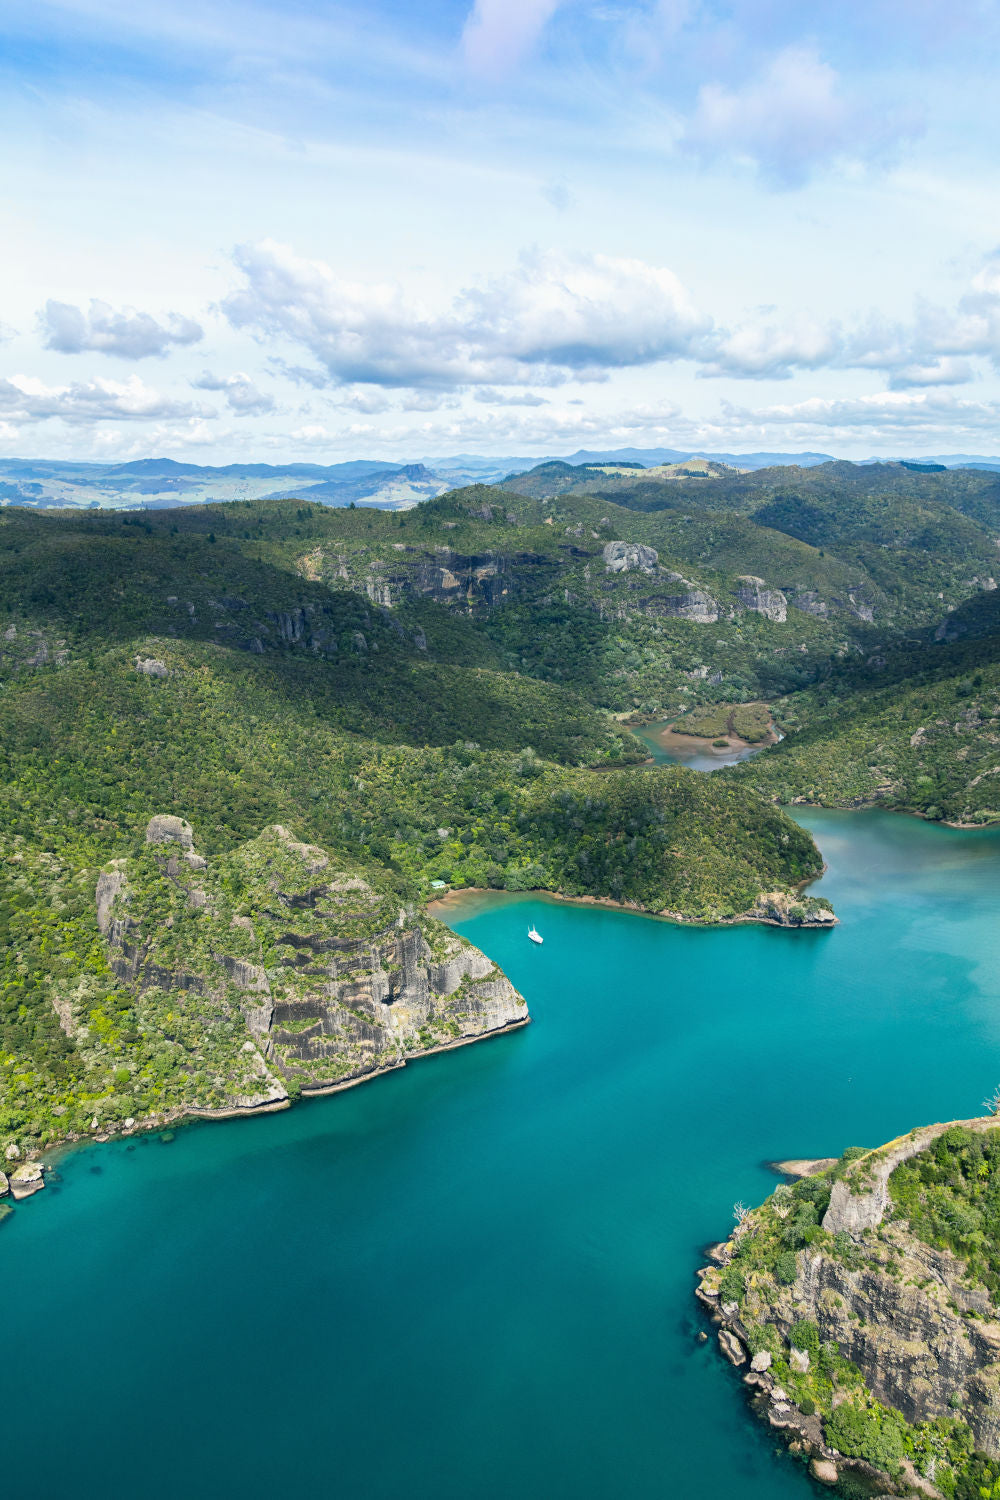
{"type": "Point", "coordinates": [474, 1277]}
{"type": "Point", "coordinates": [695, 758]}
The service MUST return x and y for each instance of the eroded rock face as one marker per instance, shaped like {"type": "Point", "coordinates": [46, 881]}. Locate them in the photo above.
{"type": "Point", "coordinates": [924, 1333]}
{"type": "Point", "coordinates": [810, 603]}
{"type": "Point", "coordinates": [166, 829]}
{"type": "Point", "coordinates": [309, 974]}
{"type": "Point", "coordinates": [151, 666]}
{"type": "Point", "coordinates": [26, 1180]}
{"type": "Point", "coordinates": [754, 594]}
{"type": "Point", "coordinates": [623, 557]}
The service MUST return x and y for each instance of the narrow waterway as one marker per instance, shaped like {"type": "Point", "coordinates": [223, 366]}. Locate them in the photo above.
{"type": "Point", "coordinates": [696, 756]}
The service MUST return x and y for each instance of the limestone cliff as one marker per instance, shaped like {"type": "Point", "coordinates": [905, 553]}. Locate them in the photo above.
{"type": "Point", "coordinates": [270, 972]}
{"type": "Point", "coordinates": [867, 1301]}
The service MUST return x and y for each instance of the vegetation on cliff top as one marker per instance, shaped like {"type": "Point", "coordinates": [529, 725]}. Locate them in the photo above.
{"type": "Point", "coordinates": [946, 1196]}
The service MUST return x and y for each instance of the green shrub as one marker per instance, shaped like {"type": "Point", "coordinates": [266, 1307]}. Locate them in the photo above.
{"type": "Point", "coordinates": [804, 1335]}
{"type": "Point", "coordinates": [807, 1406]}
{"type": "Point", "coordinates": [873, 1434]}
{"type": "Point", "coordinates": [732, 1284]}
{"type": "Point", "coordinates": [786, 1268]}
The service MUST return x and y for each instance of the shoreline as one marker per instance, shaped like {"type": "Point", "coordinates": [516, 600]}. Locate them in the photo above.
{"type": "Point", "coordinates": [441, 904]}
{"type": "Point", "coordinates": [675, 742]}
{"type": "Point", "coordinates": [901, 812]}
{"type": "Point", "coordinates": [50, 1156]}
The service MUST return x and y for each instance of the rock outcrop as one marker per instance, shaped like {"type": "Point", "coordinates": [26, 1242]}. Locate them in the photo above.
{"type": "Point", "coordinates": [913, 1317]}
{"type": "Point", "coordinates": [624, 557]}
{"type": "Point", "coordinates": [784, 910]}
{"type": "Point", "coordinates": [26, 1180]}
{"type": "Point", "coordinates": [308, 979]}
{"type": "Point", "coordinates": [151, 666]}
{"type": "Point", "coordinates": [754, 594]}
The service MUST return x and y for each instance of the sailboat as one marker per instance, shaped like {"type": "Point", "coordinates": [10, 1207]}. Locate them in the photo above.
{"type": "Point", "coordinates": [535, 937]}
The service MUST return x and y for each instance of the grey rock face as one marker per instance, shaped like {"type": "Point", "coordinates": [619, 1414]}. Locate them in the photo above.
{"type": "Point", "coordinates": [731, 1347]}
{"type": "Point", "coordinates": [109, 883]}
{"type": "Point", "coordinates": [151, 666]}
{"type": "Point", "coordinates": [688, 602]}
{"type": "Point", "coordinates": [623, 557]}
{"type": "Point", "coordinates": [855, 1212]}
{"type": "Point", "coordinates": [164, 828]}
{"type": "Point", "coordinates": [810, 603]}
{"type": "Point", "coordinates": [754, 594]}
{"type": "Point", "coordinates": [354, 984]}
{"type": "Point", "coordinates": [913, 1349]}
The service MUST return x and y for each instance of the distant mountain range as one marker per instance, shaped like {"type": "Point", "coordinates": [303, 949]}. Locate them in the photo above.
{"type": "Point", "coordinates": [156, 483]}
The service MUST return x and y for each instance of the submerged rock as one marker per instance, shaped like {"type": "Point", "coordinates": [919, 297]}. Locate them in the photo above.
{"type": "Point", "coordinates": [824, 1470]}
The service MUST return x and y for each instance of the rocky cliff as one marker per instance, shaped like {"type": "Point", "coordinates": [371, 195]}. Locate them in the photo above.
{"type": "Point", "coordinates": [866, 1299]}
{"type": "Point", "coordinates": [268, 972]}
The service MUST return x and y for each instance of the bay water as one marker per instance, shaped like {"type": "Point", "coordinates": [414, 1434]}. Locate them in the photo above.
{"type": "Point", "coordinates": [474, 1277]}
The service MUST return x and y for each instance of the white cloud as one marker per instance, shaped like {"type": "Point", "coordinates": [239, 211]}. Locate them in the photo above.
{"type": "Point", "coordinates": [885, 412]}
{"type": "Point", "coordinates": [126, 333]}
{"type": "Point", "coordinates": [790, 117]}
{"type": "Point", "coordinates": [490, 397]}
{"type": "Point", "coordinates": [26, 399]}
{"type": "Point", "coordinates": [498, 34]}
{"type": "Point", "coordinates": [552, 317]}
{"type": "Point", "coordinates": [773, 350]}
{"type": "Point", "coordinates": [941, 370]}
{"type": "Point", "coordinates": [242, 396]}
{"type": "Point", "coordinates": [934, 348]}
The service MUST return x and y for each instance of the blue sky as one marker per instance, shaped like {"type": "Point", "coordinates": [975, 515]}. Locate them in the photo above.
{"type": "Point", "coordinates": [249, 231]}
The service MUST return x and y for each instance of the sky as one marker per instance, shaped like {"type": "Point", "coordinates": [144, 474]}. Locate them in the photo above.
{"type": "Point", "coordinates": [234, 230]}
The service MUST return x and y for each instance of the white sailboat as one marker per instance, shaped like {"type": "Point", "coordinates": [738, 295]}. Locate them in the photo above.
{"type": "Point", "coordinates": [535, 937]}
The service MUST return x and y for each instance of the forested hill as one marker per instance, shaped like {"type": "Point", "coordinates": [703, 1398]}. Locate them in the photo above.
{"type": "Point", "coordinates": [221, 666]}
{"type": "Point", "coordinates": [441, 695]}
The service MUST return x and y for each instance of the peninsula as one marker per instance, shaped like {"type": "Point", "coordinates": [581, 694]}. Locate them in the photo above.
{"type": "Point", "coordinates": [862, 1303]}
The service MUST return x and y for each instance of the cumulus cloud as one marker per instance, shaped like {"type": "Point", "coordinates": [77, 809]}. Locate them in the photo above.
{"type": "Point", "coordinates": [126, 333]}
{"type": "Point", "coordinates": [498, 34]}
{"type": "Point", "coordinates": [553, 317]}
{"type": "Point", "coordinates": [772, 350]}
{"type": "Point", "coordinates": [490, 397]}
{"type": "Point", "coordinates": [242, 396]}
{"type": "Point", "coordinates": [26, 399]}
{"type": "Point", "coordinates": [941, 370]}
{"type": "Point", "coordinates": [936, 347]}
{"type": "Point", "coordinates": [884, 412]}
{"type": "Point", "coordinates": [791, 117]}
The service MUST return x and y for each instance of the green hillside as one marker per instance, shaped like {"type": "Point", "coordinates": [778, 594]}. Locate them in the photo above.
{"type": "Point", "coordinates": [199, 665]}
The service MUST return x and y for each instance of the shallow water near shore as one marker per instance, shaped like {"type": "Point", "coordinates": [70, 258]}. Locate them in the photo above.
{"type": "Point", "coordinates": [474, 1277]}
{"type": "Point", "coordinates": [696, 755]}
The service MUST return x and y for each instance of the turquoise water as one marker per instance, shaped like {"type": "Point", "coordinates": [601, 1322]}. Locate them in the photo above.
{"type": "Point", "coordinates": [473, 1277]}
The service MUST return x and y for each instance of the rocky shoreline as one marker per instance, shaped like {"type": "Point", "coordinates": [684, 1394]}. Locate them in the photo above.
{"type": "Point", "coordinates": [772, 908]}
{"type": "Point", "coordinates": [29, 1178]}
{"type": "Point", "coordinates": [900, 1334]}
{"type": "Point", "coordinates": [272, 977]}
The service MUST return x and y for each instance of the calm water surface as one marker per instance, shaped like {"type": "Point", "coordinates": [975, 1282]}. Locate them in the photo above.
{"type": "Point", "coordinates": [695, 760]}
{"type": "Point", "coordinates": [473, 1278]}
